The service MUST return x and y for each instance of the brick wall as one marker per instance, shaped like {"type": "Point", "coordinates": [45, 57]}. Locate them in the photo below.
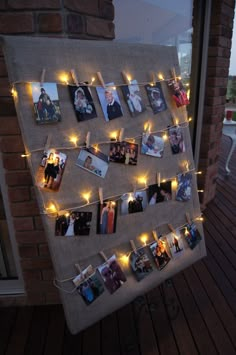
{"type": "Point", "coordinates": [86, 19]}
{"type": "Point", "coordinates": [221, 26]}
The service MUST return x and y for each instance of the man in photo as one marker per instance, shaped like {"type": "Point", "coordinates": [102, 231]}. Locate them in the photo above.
{"type": "Point", "coordinates": [45, 106]}
{"type": "Point", "coordinates": [113, 107]}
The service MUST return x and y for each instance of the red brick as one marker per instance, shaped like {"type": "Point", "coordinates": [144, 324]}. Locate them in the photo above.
{"type": "Point", "coordinates": [13, 162]}
{"type": "Point", "coordinates": [28, 251]}
{"type": "Point", "coordinates": [219, 52]}
{"type": "Point", "coordinates": [3, 68]}
{"type": "Point", "coordinates": [12, 144]}
{"type": "Point", "coordinates": [215, 100]}
{"type": "Point", "coordinates": [53, 297]}
{"type": "Point", "coordinates": [34, 4]}
{"type": "Point", "coordinates": [24, 209]}
{"type": "Point", "coordinates": [23, 223]}
{"type": "Point", "coordinates": [31, 237]}
{"type": "Point", "coordinates": [222, 8]}
{"type": "Point", "coordinates": [38, 223]}
{"type": "Point", "coordinates": [218, 71]}
{"type": "Point", "coordinates": [16, 23]}
{"type": "Point", "coordinates": [221, 19]}
{"type": "Point", "coordinates": [7, 106]}
{"type": "Point", "coordinates": [18, 178]}
{"type": "Point", "coordinates": [43, 250]}
{"type": "Point", "coordinates": [35, 298]}
{"type": "Point", "coordinates": [99, 28]}
{"type": "Point", "coordinates": [18, 194]}
{"type": "Point", "coordinates": [12, 301]}
{"type": "Point", "coordinates": [218, 62]}
{"type": "Point", "coordinates": [222, 82]}
{"type": "Point", "coordinates": [4, 87]}
{"type": "Point", "coordinates": [32, 275]}
{"type": "Point", "coordinates": [9, 125]}
{"type": "Point", "coordinates": [38, 263]}
{"type": "Point", "coordinates": [89, 7]}
{"type": "Point", "coordinates": [50, 23]}
{"type": "Point", "coordinates": [48, 274]}
{"type": "Point", "coordinates": [75, 23]}
{"type": "Point", "coordinates": [39, 285]}
{"type": "Point", "coordinates": [106, 9]}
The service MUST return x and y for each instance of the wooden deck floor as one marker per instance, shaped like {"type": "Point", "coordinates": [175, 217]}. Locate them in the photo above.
{"type": "Point", "coordinates": [194, 313]}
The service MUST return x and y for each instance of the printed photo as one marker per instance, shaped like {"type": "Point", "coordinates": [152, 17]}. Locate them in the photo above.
{"type": "Point", "coordinates": [107, 214]}
{"type": "Point", "coordinates": [191, 234]}
{"type": "Point", "coordinates": [73, 224]}
{"type": "Point", "coordinates": [160, 193]}
{"type": "Point", "coordinates": [160, 253]}
{"type": "Point", "coordinates": [140, 264]}
{"type": "Point", "coordinates": [88, 285]}
{"type": "Point", "coordinates": [175, 244]}
{"type": "Point", "coordinates": [156, 98]}
{"type": "Point", "coordinates": [176, 139]}
{"type": "Point", "coordinates": [152, 145]}
{"type": "Point", "coordinates": [134, 202]}
{"type": "Point", "coordinates": [51, 169]}
{"type": "Point", "coordinates": [83, 103]}
{"type": "Point", "coordinates": [178, 92]}
{"type": "Point", "coordinates": [46, 102]}
{"type": "Point", "coordinates": [109, 101]}
{"type": "Point", "coordinates": [112, 274]}
{"type": "Point", "coordinates": [133, 98]}
{"type": "Point", "coordinates": [124, 153]}
{"type": "Point", "coordinates": [93, 161]}
{"type": "Point", "coordinates": [184, 188]}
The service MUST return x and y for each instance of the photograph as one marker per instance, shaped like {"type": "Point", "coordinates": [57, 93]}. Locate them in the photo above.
{"type": "Point", "coordinates": [176, 139]}
{"type": "Point", "coordinates": [160, 253]}
{"type": "Point", "coordinates": [107, 215]}
{"type": "Point", "coordinates": [88, 285]}
{"type": "Point", "coordinates": [191, 234]}
{"type": "Point", "coordinates": [73, 223]}
{"type": "Point", "coordinates": [140, 264]}
{"type": "Point", "coordinates": [124, 153]}
{"type": "Point", "coordinates": [175, 244]}
{"type": "Point", "coordinates": [152, 145]}
{"type": "Point", "coordinates": [133, 98]}
{"type": "Point", "coordinates": [112, 274]}
{"type": "Point", "coordinates": [178, 92]}
{"type": "Point", "coordinates": [184, 188]}
{"type": "Point", "coordinates": [156, 98]}
{"type": "Point", "coordinates": [93, 161]}
{"type": "Point", "coordinates": [160, 193]}
{"type": "Point", "coordinates": [51, 169]}
{"type": "Point", "coordinates": [46, 102]}
{"type": "Point", "coordinates": [134, 202]}
{"type": "Point", "coordinates": [109, 101]}
{"type": "Point", "coordinates": [83, 103]}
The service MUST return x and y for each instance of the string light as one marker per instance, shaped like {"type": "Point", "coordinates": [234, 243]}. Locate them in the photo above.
{"type": "Point", "coordinates": [198, 172]}
{"type": "Point", "coordinates": [143, 180]}
{"type": "Point", "coordinates": [190, 119]}
{"type": "Point", "coordinates": [144, 239]}
{"type": "Point", "coordinates": [64, 78]}
{"type": "Point", "coordinates": [86, 196]}
{"type": "Point", "coordinates": [25, 155]}
{"type": "Point", "coordinates": [74, 140]}
{"type": "Point", "coordinates": [52, 208]}
{"type": "Point", "coordinates": [114, 135]}
{"type": "Point", "coordinates": [164, 137]}
{"type": "Point", "coordinates": [200, 190]}
{"type": "Point", "coordinates": [161, 77]}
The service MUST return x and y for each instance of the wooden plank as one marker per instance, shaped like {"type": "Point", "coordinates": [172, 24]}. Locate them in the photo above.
{"type": "Point", "coordinates": [161, 323]}
{"type": "Point", "coordinates": [194, 318]}
{"type": "Point", "coordinates": [212, 320]}
{"type": "Point", "coordinates": [7, 319]}
{"type": "Point", "coordinates": [20, 331]}
{"type": "Point", "coordinates": [144, 326]}
{"type": "Point", "coordinates": [110, 343]}
{"type": "Point", "coordinates": [127, 331]}
{"type": "Point", "coordinates": [72, 344]}
{"type": "Point", "coordinates": [91, 343]}
{"type": "Point", "coordinates": [55, 334]}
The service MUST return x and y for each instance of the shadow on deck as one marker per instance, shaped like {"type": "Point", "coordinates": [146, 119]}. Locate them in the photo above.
{"type": "Point", "coordinates": [194, 313]}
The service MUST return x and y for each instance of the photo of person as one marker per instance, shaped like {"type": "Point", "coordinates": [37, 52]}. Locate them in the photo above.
{"type": "Point", "coordinates": [46, 102]}
{"type": "Point", "coordinates": [133, 202]}
{"type": "Point", "coordinates": [176, 139]}
{"type": "Point", "coordinates": [175, 243]}
{"type": "Point", "coordinates": [140, 264]}
{"type": "Point", "coordinates": [152, 145]}
{"type": "Point", "coordinates": [156, 98]}
{"type": "Point", "coordinates": [191, 234]}
{"type": "Point", "coordinates": [88, 285]}
{"type": "Point", "coordinates": [178, 93]}
{"type": "Point", "coordinates": [73, 224]}
{"type": "Point", "coordinates": [107, 214]}
{"type": "Point", "coordinates": [83, 103]}
{"type": "Point", "coordinates": [124, 153]}
{"type": "Point", "coordinates": [109, 101]}
{"type": "Point", "coordinates": [184, 188]}
{"type": "Point", "coordinates": [133, 98]}
{"type": "Point", "coordinates": [51, 169]}
{"type": "Point", "coordinates": [160, 253]}
{"type": "Point", "coordinates": [112, 274]}
{"type": "Point", "coordinates": [93, 161]}
{"type": "Point", "coordinates": [160, 193]}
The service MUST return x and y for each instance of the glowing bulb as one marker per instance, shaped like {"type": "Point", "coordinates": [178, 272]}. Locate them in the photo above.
{"type": "Point", "coordinates": [164, 137]}
{"type": "Point", "coordinates": [179, 77]}
{"type": "Point", "coordinates": [200, 190]}
{"type": "Point", "coordinates": [198, 172]}
{"type": "Point", "coordinates": [67, 214]}
{"type": "Point", "coordinates": [92, 80]}
{"type": "Point", "coordinates": [147, 127]}
{"type": "Point", "coordinates": [163, 180]}
{"type": "Point", "coordinates": [160, 76]}
{"type": "Point", "coordinates": [125, 259]}
{"type": "Point", "coordinates": [74, 140]}
{"type": "Point", "coordinates": [14, 92]}
{"type": "Point", "coordinates": [152, 84]}
{"type": "Point", "coordinates": [144, 239]}
{"type": "Point", "coordinates": [190, 119]}
{"type": "Point", "coordinates": [64, 78]}
{"type": "Point", "coordinates": [52, 207]}
{"type": "Point", "coordinates": [176, 121]}
{"type": "Point", "coordinates": [143, 180]}
{"type": "Point", "coordinates": [86, 196]}
{"type": "Point", "coordinates": [114, 88]}
{"type": "Point", "coordinates": [95, 148]}
{"type": "Point", "coordinates": [114, 135]}
{"type": "Point", "coordinates": [25, 155]}
{"type": "Point", "coordinates": [174, 184]}
{"type": "Point", "coordinates": [129, 77]}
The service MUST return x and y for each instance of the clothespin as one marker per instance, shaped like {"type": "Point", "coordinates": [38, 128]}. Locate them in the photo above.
{"type": "Point", "coordinates": [135, 188]}
{"type": "Point", "coordinates": [155, 236]}
{"type": "Point", "coordinates": [158, 179]}
{"type": "Point", "coordinates": [48, 142]}
{"type": "Point", "coordinates": [173, 73]}
{"type": "Point", "coordinates": [100, 193]}
{"type": "Point", "coordinates": [126, 78]}
{"type": "Point", "coordinates": [147, 127]}
{"type": "Point", "coordinates": [153, 78]}
{"type": "Point", "coordinates": [121, 134]}
{"type": "Point", "coordinates": [87, 141]}
{"type": "Point", "coordinates": [100, 78]}
{"type": "Point", "coordinates": [133, 246]}
{"type": "Point", "coordinates": [74, 77]}
{"type": "Point", "coordinates": [188, 218]}
{"type": "Point", "coordinates": [103, 255]}
{"type": "Point", "coordinates": [42, 77]}
{"type": "Point", "coordinates": [78, 268]}
{"type": "Point", "coordinates": [187, 165]}
{"type": "Point", "coordinates": [171, 228]}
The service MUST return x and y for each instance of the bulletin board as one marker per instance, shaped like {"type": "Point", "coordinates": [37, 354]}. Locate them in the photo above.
{"type": "Point", "coordinates": [26, 58]}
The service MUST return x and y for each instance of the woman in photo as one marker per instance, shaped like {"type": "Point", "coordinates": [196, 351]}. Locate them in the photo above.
{"type": "Point", "coordinates": [104, 218]}
{"type": "Point", "coordinates": [110, 218]}
{"type": "Point", "coordinates": [49, 172]}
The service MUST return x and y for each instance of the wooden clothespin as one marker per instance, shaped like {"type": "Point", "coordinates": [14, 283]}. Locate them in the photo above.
{"type": "Point", "coordinates": [188, 218]}
{"type": "Point", "coordinates": [48, 142]}
{"type": "Point", "coordinates": [100, 193]}
{"type": "Point", "coordinates": [155, 236]}
{"type": "Point", "coordinates": [121, 134]}
{"type": "Point", "coordinates": [135, 188]}
{"type": "Point", "coordinates": [74, 77]}
{"type": "Point", "coordinates": [78, 268]}
{"type": "Point", "coordinates": [171, 228]}
{"type": "Point", "coordinates": [133, 246]}
{"type": "Point", "coordinates": [153, 78]}
{"type": "Point", "coordinates": [103, 255]}
{"type": "Point", "coordinates": [87, 141]}
{"type": "Point", "coordinates": [173, 73]}
{"type": "Point", "coordinates": [42, 77]}
{"type": "Point", "coordinates": [100, 78]}
{"type": "Point", "coordinates": [158, 179]}
{"type": "Point", "coordinates": [126, 78]}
